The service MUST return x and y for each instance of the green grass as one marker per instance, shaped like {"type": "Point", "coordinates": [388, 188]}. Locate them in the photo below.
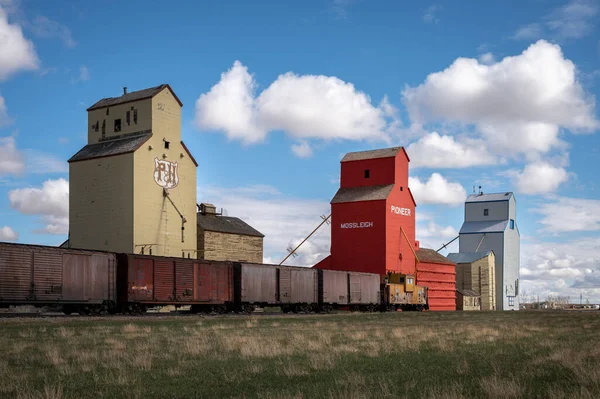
{"type": "Point", "coordinates": [436, 355]}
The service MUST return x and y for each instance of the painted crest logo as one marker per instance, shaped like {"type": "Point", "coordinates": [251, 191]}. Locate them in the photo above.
{"type": "Point", "coordinates": [166, 173]}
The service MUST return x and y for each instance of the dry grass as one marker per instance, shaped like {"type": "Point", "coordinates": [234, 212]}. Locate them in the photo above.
{"type": "Point", "coordinates": [434, 355]}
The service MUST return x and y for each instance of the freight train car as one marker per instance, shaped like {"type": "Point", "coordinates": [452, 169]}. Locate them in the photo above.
{"type": "Point", "coordinates": [352, 290]}
{"type": "Point", "coordinates": [71, 280]}
{"type": "Point", "coordinates": [399, 291]}
{"type": "Point", "coordinates": [298, 289]}
{"type": "Point", "coordinates": [96, 282]}
{"type": "Point", "coordinates": [149, 281]}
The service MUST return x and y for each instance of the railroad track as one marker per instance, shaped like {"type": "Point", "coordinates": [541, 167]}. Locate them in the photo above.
{"type": "Point", "coordinates": [51, 315]}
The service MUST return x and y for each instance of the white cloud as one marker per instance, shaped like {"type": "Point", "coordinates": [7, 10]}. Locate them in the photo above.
{"type": "Point", "coordinates": [340, 8]}
{"type": "Point", "coordinates": [569, 214]}
{"type": "Point", "coordinates": [11, 159]}
{"type": "Point", "coordinates": [487, 58]}
{"type": "Point", "coordinates": [431, 229]}
{"type": "Point", "coordinates": [437, 151]}
{"type": "Point", "coordinates": [517, 104]}
{"type": "Point", "coordinates": [539, 178]}
{"type": "Point", "coordinates": [4, 118]}
{"type": "Point", "coordinates": [528, 32]}
{"type": "Point", "coordinates": [51, 202]}
{"type": "Point", "coordinates": [430, 14]}
{"type": "Point", "coordinates": [529, 138]}
{"type": "Point", "coordinates": [432, 235]}
{"type": "Point", "coordinates": [229, 106]}
{"type": "Point", "coordinates": [8, 234]}
{"type": "Point", "coordinates": [566, 268]}
{"type": "Point", "coordinates": [302, 150]}
{"type": "Point", "coordinates": [16, 52]}
{"type": "Point", "coordinates": [84, 75]}
{"type": "Point", "coordinates": [574, 20]}
{"type": "Point", "coordinates": [303, 106]}
{"type": "Point", "coordinates": [46, 28]}
{"type": "Point", "coordinates": [284, 220]}
{"type": "Point", "coordinates": [40, 162]}
{"type": "Point", "coordinates": [437, 190]}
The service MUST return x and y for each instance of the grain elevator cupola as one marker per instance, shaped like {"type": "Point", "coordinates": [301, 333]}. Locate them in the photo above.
{"type": "Point", "coordinates": [132, 188]}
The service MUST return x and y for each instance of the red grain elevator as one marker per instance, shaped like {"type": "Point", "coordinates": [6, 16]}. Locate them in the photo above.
{"type": "Point", "coordinates": [373, 215]}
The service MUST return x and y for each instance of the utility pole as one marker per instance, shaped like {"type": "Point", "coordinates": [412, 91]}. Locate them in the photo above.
{"type": "Point", "coordinates": [325, 220]}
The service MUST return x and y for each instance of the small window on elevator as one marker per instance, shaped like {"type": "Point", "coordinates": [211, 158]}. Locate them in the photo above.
{"type": "Point", "coordinates": [367, 173]}
{"type": "Point", "coordinates": [486, 212]}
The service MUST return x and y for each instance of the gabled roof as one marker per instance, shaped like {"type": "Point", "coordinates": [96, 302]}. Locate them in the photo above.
{"type": "Point", "coordinates": [111, 147]}
{"type": "Point", "coordinates": [226, 224]}
{"type": "Point", "coordinates": [133, 96]}
{"type": "Point", "coordinates": [489, 197]}
{"type": "Point", "coordinates": [491, 226]}
{"type": "Point", "coordinates": [365, 193]}
{"type": "Point", "coordinates": [467, 257]}
{"type": "Point", "coordinates": [373, 154]}
{"type": "Point", "coordinates": [189, 153]}
{"type": "Point", "coordinates": [431, 256]}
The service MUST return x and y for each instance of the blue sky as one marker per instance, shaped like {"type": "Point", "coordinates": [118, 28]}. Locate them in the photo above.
{"type": "Point", "coordinates": [275, 93]}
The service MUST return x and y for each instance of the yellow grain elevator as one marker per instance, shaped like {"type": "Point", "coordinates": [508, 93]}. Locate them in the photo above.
{"type": "Point", "coordinates": [132, 188]}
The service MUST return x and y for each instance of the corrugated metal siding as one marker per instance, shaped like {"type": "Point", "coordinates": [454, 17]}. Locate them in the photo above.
{"type": "Point", "coordinates": [213, 282]}
{"type": "Point", "coordinates": [164, 280]}
{"type": "Point", "coordinates": [335, 287]}
{"type": "Point", "coordinates": [184, 278]}
{"type": "Point", "coordinates": [441, 283]}
{"type": "Point", "coordinates": [355, 296]}
{"type": "Point", "coordinates": [47, 275]}
{"type": "Point", "coordinates": [76, 276]}
{"type": "Point", "coordinates": [102, 281]}
{"type": "Point", "coordinates": [297, 285]}
{"type": "Point", "coordinates": [259, 283]}
{"type": "Point", "coordinates": [364, 288]}
{"type": "Point", "coordinates": [285, 285]}
{"type": "Point", "coordinates": [15, 273]}
{"type": "Point", "coordinates": [141, 282]}
{"type": "Point", "coordinates": [30, 273]}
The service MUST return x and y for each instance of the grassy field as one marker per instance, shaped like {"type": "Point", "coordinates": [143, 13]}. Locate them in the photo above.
{"type": "Point", "coordinates": [434, 355]}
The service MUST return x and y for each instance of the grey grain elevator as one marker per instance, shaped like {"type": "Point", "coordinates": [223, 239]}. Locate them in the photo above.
{"type": "Point", "coordinates": [490, 224]}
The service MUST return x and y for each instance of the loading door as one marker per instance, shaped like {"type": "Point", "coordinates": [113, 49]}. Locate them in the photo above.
{"type": "Point", "coordinates": [141, 284]}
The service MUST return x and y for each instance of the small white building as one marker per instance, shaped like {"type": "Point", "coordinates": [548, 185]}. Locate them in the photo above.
{"type": "Point", "coordinates": [490, 224]}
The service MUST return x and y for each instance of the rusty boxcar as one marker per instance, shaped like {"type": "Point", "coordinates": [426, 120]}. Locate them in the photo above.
{"type": "Point", "coordinates": [81, 281]}
{"type": "Point", "coordinates": [146, 281]}
{"type": "Point", "coordinates": [298, 288]}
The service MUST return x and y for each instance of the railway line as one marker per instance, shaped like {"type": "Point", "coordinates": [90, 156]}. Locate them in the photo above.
{"type": "Point", "coordinates": [151, 314]}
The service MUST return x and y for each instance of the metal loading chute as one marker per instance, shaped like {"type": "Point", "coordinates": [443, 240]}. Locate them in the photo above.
{"type": "Point", "coordinates": [183, 220]}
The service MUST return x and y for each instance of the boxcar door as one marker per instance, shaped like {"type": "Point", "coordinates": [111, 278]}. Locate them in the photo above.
{"type": "Point", "coordinates": [141, 284]}
{"type": "Point", "coordinates": [47, 275]}
{"type": "Point", "coordinates": [164, 280]}
{"type": "Point", "coordinates": [184, 278]}
{"type": "Point", "coordinates": [76, 277]}
{"type": "Point", "coordinates": [203, 284]}
{"type": "Point", "coordinates": [285, 285]}
{"type": "Point", "coordinates": [355, 294]}
{"type": "Point", "coordinates": [16, 273]}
